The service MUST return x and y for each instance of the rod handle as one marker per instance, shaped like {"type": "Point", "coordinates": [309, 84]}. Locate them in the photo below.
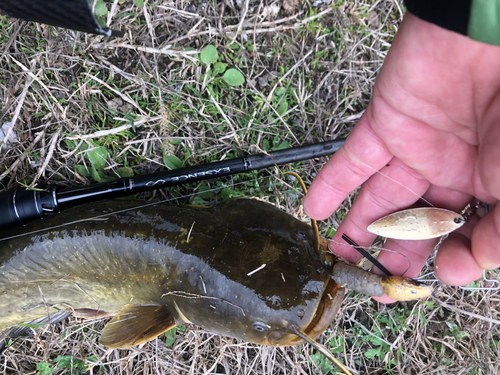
{"type": "Point", "coordinates": [21, 206]}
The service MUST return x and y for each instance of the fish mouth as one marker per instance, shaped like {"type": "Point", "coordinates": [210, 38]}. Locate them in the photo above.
{"type": "Point", "coordinates": [327, 309]}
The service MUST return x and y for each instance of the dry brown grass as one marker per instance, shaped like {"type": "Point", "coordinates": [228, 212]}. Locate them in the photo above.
{"type": "Point", "coordinates": [57, 85]}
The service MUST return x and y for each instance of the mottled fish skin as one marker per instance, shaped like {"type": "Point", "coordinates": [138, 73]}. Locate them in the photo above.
{"type": "Point", "coordinates": [417, 224]}
{"type": "Point", "coordinates": [196, 261]}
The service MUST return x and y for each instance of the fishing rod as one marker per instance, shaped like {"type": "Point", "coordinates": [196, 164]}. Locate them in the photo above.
{"type": "Point", "coordinates": [22, 206]}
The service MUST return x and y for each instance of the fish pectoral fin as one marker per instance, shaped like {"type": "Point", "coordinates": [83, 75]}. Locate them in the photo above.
{"type": "Point", "coordinates": [91, 314]}
{"type": "Point", "coordinates": [135, 324]}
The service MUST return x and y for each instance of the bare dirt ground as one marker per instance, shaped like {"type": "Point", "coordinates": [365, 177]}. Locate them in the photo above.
{"type": "Point", "coordinates": [83, 108]}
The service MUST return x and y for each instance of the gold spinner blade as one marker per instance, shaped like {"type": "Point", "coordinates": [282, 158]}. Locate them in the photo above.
{"type": "Point", "coordinates": [417, 224]}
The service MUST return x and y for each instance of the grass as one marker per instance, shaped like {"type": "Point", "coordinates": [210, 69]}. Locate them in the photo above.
{"type": "Point", "coordinates": [89, 109]}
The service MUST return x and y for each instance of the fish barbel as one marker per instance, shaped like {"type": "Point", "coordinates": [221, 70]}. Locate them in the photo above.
{"type": "Point", "coordinates": [243, 268]}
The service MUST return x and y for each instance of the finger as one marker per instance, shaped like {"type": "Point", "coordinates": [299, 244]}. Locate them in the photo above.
{"type": "Point", "coordinates": [489, 152]}
{"type": "Point", "coordinates": [455, 264]}
{"type": "Point", "coordinates": [362, 155]}
{"type": "Point", "coordinates": [447, 198]}
{"type": "Point", "coordinates": [467, 229]}
{"type": "Point", "coordinates": [406, 258]}
{"type": "Point", "coordinates": [396, 186]}
{"type": "Point", "coordinates": [485, 240]}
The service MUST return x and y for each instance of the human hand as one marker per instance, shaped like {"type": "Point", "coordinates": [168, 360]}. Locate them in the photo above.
{"type": "Point", "coordinates": [433, 130]}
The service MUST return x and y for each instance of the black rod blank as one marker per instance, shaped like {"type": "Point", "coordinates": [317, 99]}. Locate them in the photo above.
{"type": "Point", "coordinates": [21, 206]}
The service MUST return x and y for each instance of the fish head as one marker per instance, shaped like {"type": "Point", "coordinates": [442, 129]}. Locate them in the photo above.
{"type": "Point", "coordinates": [273, 328]}
{"type": "Point", "coordinates": [280, 305]}
{"type": "Point", "coordinates": [262, 277]}
{"type": "Point", "coordinates": [284, 334]}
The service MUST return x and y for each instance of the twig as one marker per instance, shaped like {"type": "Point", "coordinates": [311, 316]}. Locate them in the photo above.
{"type": "Point", "coordinates": [34, 77]}
{"type": "Point", "coordinates": [257, 270]}
{"type": "Point", "coordinates": [477, 316]}
{"type": "Point", "coordinates": [227, 120]}
{"type": "Point", "coordinates": [23, 156]}
{"type": "Point", "coordinates": [102, 133]}
{"type": "Point", "coordinates": [240, 24]}
{"type": "Point", "coordinates": [162, 51]}
{"type": "Point", "coordinates": [17, 111]}
{"type": "Point", "coordinates": [117, 92]}
{"type": "Point", "coordinates": [48, 157]}
{"type": "Point", "coordinates": [255, 30]}
{"type": "Point", "coordinates": [369, 332]}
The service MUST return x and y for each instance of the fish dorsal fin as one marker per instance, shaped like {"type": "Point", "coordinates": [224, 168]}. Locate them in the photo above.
{"type": "Point", "coordinates": [135, 324]}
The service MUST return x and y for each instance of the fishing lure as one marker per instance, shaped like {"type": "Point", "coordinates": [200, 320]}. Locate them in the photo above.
{"type": "Point", "coordinates": [417, 224]}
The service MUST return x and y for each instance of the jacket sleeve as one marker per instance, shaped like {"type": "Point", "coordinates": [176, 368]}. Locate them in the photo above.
{"type": "Point", "coordinates": [478, 19]}
{"type": "Point", "coordinates": [70, 14]}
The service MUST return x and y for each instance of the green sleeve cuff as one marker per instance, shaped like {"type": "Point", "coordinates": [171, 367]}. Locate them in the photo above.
{"type": "Point", "coordinates": [484, 21]}
{"type": "Point", "coordinates": [478, 19]}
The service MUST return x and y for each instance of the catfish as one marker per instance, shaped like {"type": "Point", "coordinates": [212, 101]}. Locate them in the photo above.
{"type": "Point", "coordinates": [154, 267]}
{"type": "Point", "coordinates": [242, 268]}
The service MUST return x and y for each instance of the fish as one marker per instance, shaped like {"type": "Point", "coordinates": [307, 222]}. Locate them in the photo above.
{"type": "Point", "coordinates": [243, 269]}
{"type": "Point", "coordinates": [152, 268]}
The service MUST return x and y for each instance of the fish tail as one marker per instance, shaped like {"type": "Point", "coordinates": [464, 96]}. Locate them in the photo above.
{"type": "Point", "coordinates": [30, 328]}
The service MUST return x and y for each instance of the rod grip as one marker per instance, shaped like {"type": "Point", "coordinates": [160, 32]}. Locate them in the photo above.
{"type": "Point", "coordinates": [22, 206]}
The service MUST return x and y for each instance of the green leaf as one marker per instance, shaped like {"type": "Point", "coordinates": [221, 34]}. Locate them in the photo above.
{"type": "Point", "coordinates": [282, 146]}
{"type": "Point", "coordinates": [321, 361]}
{"type": "Point", "coordinates": [70, 143]}
{"type": "Point", "coordinates": [139, 3]}
{"type": "Point", "coordinates": [81, 169]}
{"type": "Point", "coordinates": [125, 172]}
{"type": "Point", "coordinates": [337, 344]}
{"type": "Point", "coordinates": [372, 353]}
{"type": "Point", "coordinates": [69, 362]}
{"type": "Point", "coordinates": [175, 141]}
{"type": "Point", "coordinates": [219, 68]}
{"type": "Point", "coordinates": [330, 232]}
{"type": "Point", "coordinates": [96, 175]}
{"type": "Point", "coordinates": [172, 162]}
{"type": "Point", "coordinates": [282, 108]}
{"type": "Point", "coordinates": [280, 91]}
{"type": "Point", "coordinates": [209, 55]}
{"type": "Point", "coordinates": [100, 8]}
{"type": "Point", "coordinates": [375, 341]}
{"type": "Point", "coordinates": [97, 157]}
{"type": "Point", "coordinates": [170, 337]}
{"type": "Point", "coordinates": [199, 201]}
{"type": "Point", "coordinates": [205, 192]}
{"type": "Point", "coordinates": [44, 368]}
{"type": "Point", "coordinates": [233, 77]}
{"type": "Point", "coordinates": [229, 193]}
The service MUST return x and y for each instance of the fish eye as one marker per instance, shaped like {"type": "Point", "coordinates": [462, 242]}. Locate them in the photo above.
{"type": "Point", "coordinates": [300, 234]}
{"type": "Point", "coordinates": [260, 327]}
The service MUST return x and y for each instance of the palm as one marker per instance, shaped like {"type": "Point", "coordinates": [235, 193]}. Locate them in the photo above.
{"type": "Point", "coordinates": [431, 121]}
